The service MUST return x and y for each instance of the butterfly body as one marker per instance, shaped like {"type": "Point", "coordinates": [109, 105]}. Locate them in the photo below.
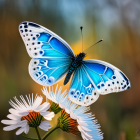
{"type": "Point", "coordinates": [76, 62]}
{"type": "Point", "coordinates": [53, 58]}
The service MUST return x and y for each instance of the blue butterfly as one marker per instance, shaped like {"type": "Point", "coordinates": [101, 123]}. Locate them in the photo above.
{"type": "Point", "coordinates": [53, 58]}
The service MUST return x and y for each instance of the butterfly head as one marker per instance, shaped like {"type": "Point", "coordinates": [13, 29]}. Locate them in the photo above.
{"type": "Point", "coordinates": [81, 55]}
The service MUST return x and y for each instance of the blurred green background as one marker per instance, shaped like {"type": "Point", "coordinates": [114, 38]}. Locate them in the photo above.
{"type": "Point", "coordinates": [116, 21]}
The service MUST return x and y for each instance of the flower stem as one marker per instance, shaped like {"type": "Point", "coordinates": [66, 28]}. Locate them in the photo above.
{"type": "Point", "coordinates": [24, 135]}
{"type": "Point", "coordinates": [49, 132]}
{"type": "Point", "coordinates": [37, 133]}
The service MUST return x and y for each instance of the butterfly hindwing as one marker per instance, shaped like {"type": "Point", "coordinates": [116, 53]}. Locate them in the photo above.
{"type": "Point", "coordinates": [82, 91]}
{"type": "Point", "coordinates": [97, 77]}
{"type": "Point", "coordinates": [48, 71]}
{"type": "Point", "coordinates": [51, 55]}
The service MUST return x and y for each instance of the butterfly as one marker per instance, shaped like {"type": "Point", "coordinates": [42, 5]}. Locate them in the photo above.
{"type": "Point", "coordinates": [53, 58]}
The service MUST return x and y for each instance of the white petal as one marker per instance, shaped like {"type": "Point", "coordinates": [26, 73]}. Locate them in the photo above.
{"type": "Point", "coordinates": [18, 132]}
{"type": "Point", "coordinates": [82, 123]}
{"type": "Point", "coordinates": [26, 129]}
{"type": "Point", "coordinates": [14, 126]}
{"type": "Point", "coordinates": [37, 102]}
{"type": "Point", "coordinates": [13, 117]}
{"type": "Point", "coordinates": [14, 112]}
{"type": "Point", "coordinates": [45, 125]}
{"type": "Point", "coordinates": [49, 116]}
{"type": "Point", "coordinates": [8, 122]}
{"type": "Point", "coordinates": [61, 106]}
{"type": "Point", "coordinates": [24, 113]}
{"type": "Point", "coordinates": [86, 137]}
{"type": "Point", "coordinates": [73, 116]}
{"type": "Point", "coordinates": [45, 113]}
{"type": "Point", "coordinates": [45, 106]}
{"type": "Point", "coordinates": [11, 127]}
{"type": "Point", "coordinates": [67, 110]}
{"type": "Point", "coordinates": [84, 132]}
{"type": "Point", "coordinates": [85, 128]}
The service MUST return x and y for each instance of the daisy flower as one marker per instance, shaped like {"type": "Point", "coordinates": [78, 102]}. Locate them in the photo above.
{"type": "Point", "coordinates": [55, 97]}
{"type": "Point", "coordinates": [74, 118]}
{"type": "Point", "coordinates": [30, 113]}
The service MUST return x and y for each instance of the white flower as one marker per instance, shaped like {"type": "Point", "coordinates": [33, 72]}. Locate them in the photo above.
{"type": "Point", "coordinates": [55, 96]}
{"type": "Point", "coordinates": [87, 124]}
{"type": "Point", "coordinates": [28, 113]}
{"type": "Point", "coordinates": [73, 117]}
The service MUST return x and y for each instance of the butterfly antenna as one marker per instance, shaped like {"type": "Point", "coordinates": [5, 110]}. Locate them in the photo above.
{"type": "Point", "coordinates": [82, 37]}
{"type": "Point", "coordinates": [94, 44]}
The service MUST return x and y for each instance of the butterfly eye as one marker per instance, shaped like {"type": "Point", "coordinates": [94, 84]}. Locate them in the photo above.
{"type": "Point", "coordinates": [94, 93]}
{"type": "Point", "coordinates": [33, 38]}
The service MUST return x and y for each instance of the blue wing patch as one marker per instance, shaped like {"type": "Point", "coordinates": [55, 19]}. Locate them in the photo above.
{"type": "Point", "coordinates": [82, 91]}
{"type": "Point", "coordinates": [96, 77]}
{"type": "Point", "coordinates": [48, 71]}
{"type": "Point", "coordinates": [43, 43]}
